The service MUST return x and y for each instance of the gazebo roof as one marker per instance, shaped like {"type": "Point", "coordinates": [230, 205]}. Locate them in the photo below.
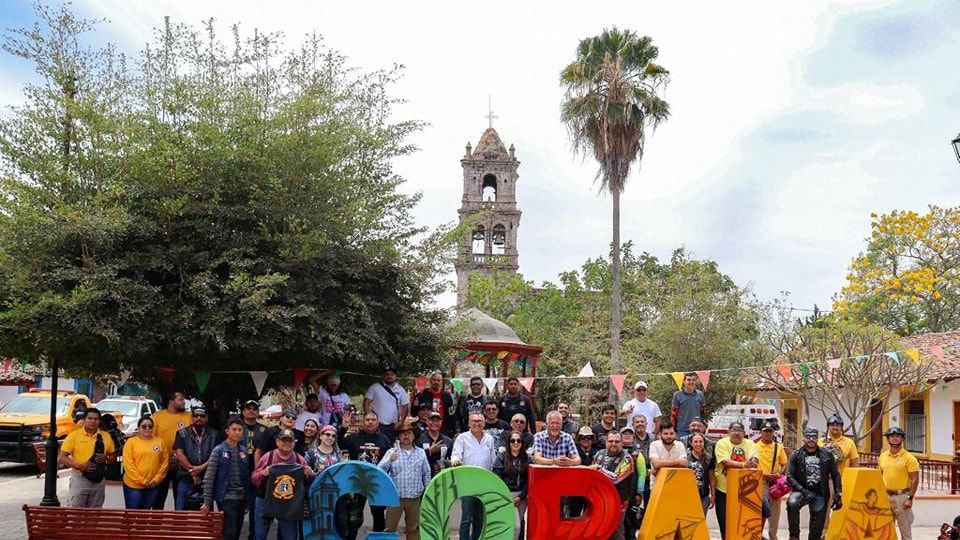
{"type": "Point", "coordinates": [482, 328]}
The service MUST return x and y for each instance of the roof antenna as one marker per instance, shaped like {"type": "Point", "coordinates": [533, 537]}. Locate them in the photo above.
{"type": "Point", "coordinates": [490, 115]}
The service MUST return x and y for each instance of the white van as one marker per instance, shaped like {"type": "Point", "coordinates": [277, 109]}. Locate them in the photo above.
{"type": "Point", "coordinates": [751, 416]}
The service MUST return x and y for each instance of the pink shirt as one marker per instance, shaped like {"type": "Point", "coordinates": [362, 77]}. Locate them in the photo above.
{"type": "Point", "coordinates": [258, 476]}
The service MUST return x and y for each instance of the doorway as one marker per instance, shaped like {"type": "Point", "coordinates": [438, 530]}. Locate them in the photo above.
{"type": "Point", "coordinates": [875, 423]}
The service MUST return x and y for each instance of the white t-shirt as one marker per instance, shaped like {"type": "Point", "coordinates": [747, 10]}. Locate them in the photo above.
{"type": "Point", "coordinates": [647, 407]}
{"type": "Point", "coordinates": [307, 415]}
{"type": "Point", "coordinates": [659, 451]}
{"type": "Point", "coordinates": [332, 404]}
{"type": "Point", "coordinates": [385, 405]}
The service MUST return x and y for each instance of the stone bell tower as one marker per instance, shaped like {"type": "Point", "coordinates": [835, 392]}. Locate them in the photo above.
{"type": "Point", "coordinates": [489, 198]}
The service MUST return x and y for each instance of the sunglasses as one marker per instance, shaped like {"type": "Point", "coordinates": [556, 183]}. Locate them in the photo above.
{"type": "Point", "coordinates": [520, 421]}
{"type": "Point", "coordinates": [327, 434]}
{"type": "Point", "coordinates": [199, 416]}
{"type": "Point", "coordinates": [518, 441]}
{"type": "Point", "coordinates": [290, 416]}
{"type": "Point", "coordinates": [146, 426]}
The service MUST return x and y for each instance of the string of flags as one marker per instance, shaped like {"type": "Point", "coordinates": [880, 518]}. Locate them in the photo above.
{"type": "Point", "coordinates": [789, 372]}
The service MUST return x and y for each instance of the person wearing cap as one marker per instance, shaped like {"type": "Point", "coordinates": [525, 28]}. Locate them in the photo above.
{"type": "Point", "coordinates": [773, 463]}
{"type": "Point", "coordinates": [268, 439]}
{"type": "Point", "coordinates": [585, 446]}
{"type": "Point", "coordinates": [901, 475]}
{"type": "Point", "coordinates": [627, 436]}
{"type": "Point", "coordinates": [514, 402]}
{"type": "Point", "coordinates": [435, 398]}
{"type": "Point", "coordinates": [641, 404]}
{"type": "Point", "coordinates": [617, 465]}
{"type": "Point", "coordinates": [435, 443]}
{"type": "Point", "coordinates": [389, 400]}
{"type": "Point", "coordinates": [666, 452]}
{"type": "Point", "coordinates": [631, 523]}
{"type": "Point", "coordinates": [734, 451]}
{"type": "Point", "coordinates": [333, 401]}
{"type": "Point", "coordinates": [252, 430]}
{"type": "Point", "coordinates": [810, 472]}
{"type": "Point", "coordinates": [166, 425]}
{"type": "Point", "coordinates": [688, 403]}
{"type": "Point", "coordinates": [844, 452]}
{"type": "Point", "coordinates": [311, 411]}
{"type": "Point", "coordinates": [192, 445]}
{"type": "Point", "coordinates": [408, 467]}
{"type": "Point", "coordinates": [569, 426]}
{"type": "Point", "coordinates": [607, 424]}
{"type": "Point", "coordinates": [283, 454]}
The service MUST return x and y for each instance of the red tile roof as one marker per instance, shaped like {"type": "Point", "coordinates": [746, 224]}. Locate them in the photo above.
{"type": "Point", "coordinates": [949, 342]}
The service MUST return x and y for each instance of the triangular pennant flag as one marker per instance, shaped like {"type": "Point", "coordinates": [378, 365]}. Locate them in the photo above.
{"type": "Point", "coordinates": [914, 354]}
{"type": "Point", "coordinates": [166, 373]}
{"type": "Point", "coordinates": [804, 371]}
{"type": "Point", "coordinates": [678, 378]}
{"type": "Point", "coordinates": [462, 355]}
{"type": "Point", "coordinates": [299, 374]}
{"type": "Point", "coordinates": [457, 385]}
{"type": "Point", "coordinates": [259, 379]}
{"type": "Point", "coordinates": [203, 379]}
{"type": "Point", "coordinates": [835, 363]}
{"type": "Point", "coordinates": [618, 381]}
{"type": "Point", "coordinates": [421, 383]}
{"type": "Point", "coordinates": [861, 357]}
{"type": "Point", "coordinates": [586, 371]}
{"type": "Point", "coordinates": [937, 351]}
{"type": "Point", "coordinates": [503, 354]}
{"type": "Point", "coordinates": [786, 371]}
{"type": "Point", "coordinates": [704, 376]}
{"type": "Point", "coordinates": [527, 383]}
{"type": "Point", "coordinates": [490, 383]}
{"type": "Point", "coordinates": [893, 356]}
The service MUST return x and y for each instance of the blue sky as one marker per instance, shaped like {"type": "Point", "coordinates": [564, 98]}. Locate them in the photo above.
{"type": "Point", "coordinates": [791, 122]}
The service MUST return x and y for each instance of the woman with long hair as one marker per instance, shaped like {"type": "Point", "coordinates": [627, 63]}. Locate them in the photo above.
{"type": "Point", "coordinates": [145, 465]}
{"type": "Point", "coordinates": [325, 453]}
{"type": "Point", "coordinates": [511, 466]}
{"type": "Point", "coordinates": [703, 465]}
{"type": "Point", "coordinates": [311, 435]}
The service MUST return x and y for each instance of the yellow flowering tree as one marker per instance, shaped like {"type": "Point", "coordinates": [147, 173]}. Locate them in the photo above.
{"type": "Point", "coordinates": [908, 278]}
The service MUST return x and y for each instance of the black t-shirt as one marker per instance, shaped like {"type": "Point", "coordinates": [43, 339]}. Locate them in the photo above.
{"type": "Point", "coordinates": [495, 428]}
{"type": "Point", "coordinates": [366, 447]}
{"type": "Point", "coordinates": [284, 493]}
{"type": "Point", "coordinates": [442, 457]}
{"type": "Point", "coordinates": [511, 405]}
{"type": "Point", "coordinates": [600, 435]}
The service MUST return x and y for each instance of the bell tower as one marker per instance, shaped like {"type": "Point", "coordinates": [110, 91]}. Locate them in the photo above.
{"type": "Point", "coordinates": [490, 200]}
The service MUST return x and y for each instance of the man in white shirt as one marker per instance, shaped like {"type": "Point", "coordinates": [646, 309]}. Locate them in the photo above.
{"type": "Point", "coordinates": [666, 452]}
{"type": "Point", "coordinates": [641, 405]}
{"type": "Point", "coordinates": [476, 448]}
{"type": "Point", "coordinates": [389, 400]}
{"type": "Point", "coordinates": [311, 412]}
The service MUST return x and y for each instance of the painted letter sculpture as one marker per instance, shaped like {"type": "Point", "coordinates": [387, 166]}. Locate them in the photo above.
{"type": "Point", "coordinates": [744, 504]}
{"type": "Point", "coordinates": [346, 478]}
{"type": "Point", "coordinates": [548, 484]}
{"type": "Point", "coordinates": [666, 517]}
{"type": "Point", "coordinates": [866, 509]}
{"type": "Point", "coordinates": [467, 481]}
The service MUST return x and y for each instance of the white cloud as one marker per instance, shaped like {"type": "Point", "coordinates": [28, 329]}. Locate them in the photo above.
{"type": "Point", "coordinates": [867, 103]}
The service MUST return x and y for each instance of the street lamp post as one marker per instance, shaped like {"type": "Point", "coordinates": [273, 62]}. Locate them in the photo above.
{"type": "Point", "coordinates": [956, 146]}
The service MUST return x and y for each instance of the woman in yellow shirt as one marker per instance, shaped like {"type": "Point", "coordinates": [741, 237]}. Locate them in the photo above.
{"type": "Point", "coordinates": [145, 464]}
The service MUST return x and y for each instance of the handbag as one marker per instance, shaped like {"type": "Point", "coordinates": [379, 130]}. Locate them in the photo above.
{"type": "Point", "coordinates": [99, 470]}
{"type": "Point", "coordinates": [780, 488]}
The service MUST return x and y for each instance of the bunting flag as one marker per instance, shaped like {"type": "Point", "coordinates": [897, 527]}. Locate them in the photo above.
{"type": "Point", "coordinates": [259, 379]}
{"type": "Point", "coordinates": [893, 356]}
{"type": "Point", "coordinates": [421, 383]}
{"type": "Point", "coordinates": [861, 357]}
{"type": "Point", "coordinates": [835, 363]}
{"type": "Point", "coordinates": [704, 378]}
{"type": "Point", "coordinates": [166, 373]}
{"type": "Point", "coordinates": [503, 354]}
{"type": "Point", "coordinates": [299, 374]}
{"type": "Point", "coordinates": [786, 371]}
{"type": "Point", "coordinates": [804, 371]}
{"type": "Point", "coordinates": [457, 384]}
{"type": "Point", "coordinates": [203, 379]}
{"type": "Point", "coordinates": [937, 351]}
{"type": "Point", "coordinates": [462, 355]}
{"type": "Point", "coordinates": [586, 371]}
{"type": "Point", "coordinates": [618, 381]}
{"type": "Point", "coordinates": [914, 354]}
{"type": "Point", "coordinates": [527, 383]}
{"type": "Point", "coordinates": [490, 383]}
{"type": "Point", "coordinates": [678, 378]}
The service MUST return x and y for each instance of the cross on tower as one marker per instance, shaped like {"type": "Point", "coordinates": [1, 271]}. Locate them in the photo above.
{"type": "Point", "coordinates": [490, 115]}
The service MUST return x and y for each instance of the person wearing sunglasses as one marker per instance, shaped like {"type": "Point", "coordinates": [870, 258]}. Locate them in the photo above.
{"type": "Point", "coordinates": [144, 466]}
{"type": "Point", "coordinates": [193, 446]}
{"type": "Point", "coordinates": [511, 466]}
{"type": "Point", "coordinates": [268, 439]}
{"type": "Point", "coordinates": [517, 423]}
{"type": "Point", "coordinates": [470, 403]}
{"type": "Point", "coordinates": [325, 453]}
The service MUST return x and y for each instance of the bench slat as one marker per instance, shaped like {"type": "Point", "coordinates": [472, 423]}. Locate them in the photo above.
{"type": "Point", "coordinates": [57, 523]}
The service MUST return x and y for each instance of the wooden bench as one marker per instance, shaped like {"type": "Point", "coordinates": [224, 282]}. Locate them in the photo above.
{"type": "Point", "coordinates": [65, 523]}
{"type": "Point", "coordinates": [40, 453]}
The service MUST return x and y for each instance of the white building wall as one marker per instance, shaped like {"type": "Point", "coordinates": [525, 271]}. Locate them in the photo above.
{"type": "Point", "coordinates": [941, 418]}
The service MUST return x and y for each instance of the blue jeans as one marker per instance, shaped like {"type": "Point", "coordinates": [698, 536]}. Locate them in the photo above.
{"type": "Point", "coordinates": [287, 529]}
{"type": "Point", "coordinates": [139, 499]}
{"type": "Point", "coordinates": [251, 510]}
{"type": "Point", "coordinates": [232, 518]}
{"type": "Point", "coordinates": [183, 489]}
{"type": "Point", "coordinates": [472, 520]}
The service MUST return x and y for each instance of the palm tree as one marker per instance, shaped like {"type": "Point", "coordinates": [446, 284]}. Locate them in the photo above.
{"type": "Point", "coordinates": [611, 99]}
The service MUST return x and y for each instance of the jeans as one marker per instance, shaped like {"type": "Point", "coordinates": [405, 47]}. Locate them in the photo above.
{"type": "Point", "coordinates": [472, 520]}
{"type": "Point", "coordinates": [705, 503]}
{"type": "Point", "coordinates": [138, 499]}
{"type": "Point", "coordinates": [163, 487]}
{"type": "Point", "coordinates": [287, 529]}
{"type": "Point", "coordinates": [251, 510]}
{"type": "Point", "coordinates": [233, 510]}
{"type": "Point", "coordinates": [181, 491]}
{"type": "Point", "coordinates": [818, 513]}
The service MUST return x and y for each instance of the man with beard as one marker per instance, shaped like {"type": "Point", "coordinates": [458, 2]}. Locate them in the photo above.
{"type": "Point", "coordinates": [369, 445]}
{"type": "Point", "coordinates": [569, 426]}
{"type": "Point", "coordinates": [617, 465]}
{"type": "Point", "coordinates": [810, 471]}
{"type": "Point", "coordinates": [513, 402]}
{"type": "Point", "coordinates": [732, 452]}
{"type": "Point", "coordinates": [434, 398]}
{"type": "Point", "coordinates": [166, 425]}
{"type": "Point", "coordinates": [667, 452]}
{"type": "Point", "coordinates": [901, 475]}
{"type": "Point", "coordinates": [193, 445]}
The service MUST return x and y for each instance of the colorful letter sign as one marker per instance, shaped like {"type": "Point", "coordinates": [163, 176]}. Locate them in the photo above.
{"type": "Point", "coordinates": [744, 504]}
{"type": "Point", "coordinates": [666, 517]}
{"type": "Point", "coordinates": [549, 484]}
{"type": "Point", "coordinates": [866, 509]}
{"type": "Point", "coordinates": [346, 478]}
{"type": "Point", "coordinates": [467, 481]}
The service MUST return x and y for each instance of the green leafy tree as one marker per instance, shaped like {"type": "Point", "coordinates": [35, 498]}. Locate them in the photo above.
{"type": "Point", "coordinates": [611, 100]}
{"type": "Point", "coordinates": [908, 278]}
{"type": "Point", "coordinates": [207, 205]}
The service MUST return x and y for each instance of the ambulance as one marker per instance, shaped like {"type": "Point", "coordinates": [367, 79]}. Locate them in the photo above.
{"type": "Point", "coordinates": [752, 416]}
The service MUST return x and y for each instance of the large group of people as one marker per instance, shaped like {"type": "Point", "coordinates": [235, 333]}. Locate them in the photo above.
{"type": "Point", "coordinates": [413, 437]}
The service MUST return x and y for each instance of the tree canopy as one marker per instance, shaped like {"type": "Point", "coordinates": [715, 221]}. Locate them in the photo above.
{"type": "Point", "coordinates": [206, 204]}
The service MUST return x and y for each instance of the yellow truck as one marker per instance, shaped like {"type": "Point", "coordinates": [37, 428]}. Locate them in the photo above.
{"type": "Point", "coordinates": [25, 420]}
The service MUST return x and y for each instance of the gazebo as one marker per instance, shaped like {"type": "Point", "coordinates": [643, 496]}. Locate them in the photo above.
{"type": "Point", "coordinates": [488, 341]}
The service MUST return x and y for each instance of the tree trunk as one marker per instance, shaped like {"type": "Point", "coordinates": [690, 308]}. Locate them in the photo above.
{"type": "Point", "coordinates": [615, 288]}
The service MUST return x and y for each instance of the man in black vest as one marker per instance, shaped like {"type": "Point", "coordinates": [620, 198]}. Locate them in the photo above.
{"type": "Point", "coordinates": [193, 445]}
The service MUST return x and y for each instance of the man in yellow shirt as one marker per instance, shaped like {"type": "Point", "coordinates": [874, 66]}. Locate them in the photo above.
{"type": "Point", "coordinates": [772, 462]}
{"type": "Point", "coordinates": [732, 452]}
{"type": "Point", "coordinates": [844, 452]}
{"type": "Point", "coordinates": [87, 451]}
{"type": "Point", "coordinates": [166, 424]}
{"type": "Point", "coordinates": [901, 475]}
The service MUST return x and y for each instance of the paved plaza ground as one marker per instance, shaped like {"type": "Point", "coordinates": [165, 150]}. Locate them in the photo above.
{"type": "Point", "coordinates": [19, 485]}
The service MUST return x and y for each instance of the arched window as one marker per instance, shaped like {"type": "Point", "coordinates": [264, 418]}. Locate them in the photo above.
{"type": "Point", "coordinates": [479, 240]}
{"type": "Point", "coordinates": [489, 188]}
{"type": "Point", "coordinates": [499, 239]}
